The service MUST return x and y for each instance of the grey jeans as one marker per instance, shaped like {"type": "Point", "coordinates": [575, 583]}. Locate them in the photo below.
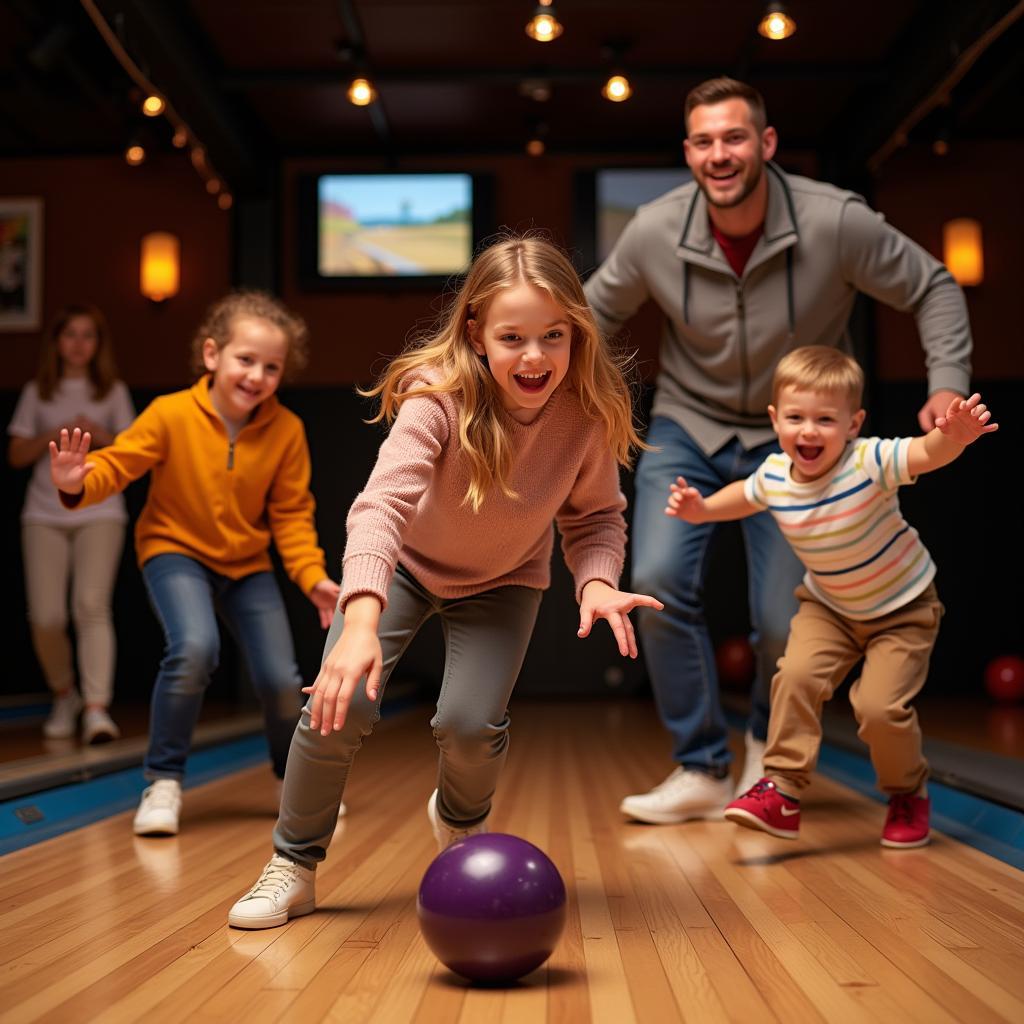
{"type": "Point", "coordinates": [486, 637]}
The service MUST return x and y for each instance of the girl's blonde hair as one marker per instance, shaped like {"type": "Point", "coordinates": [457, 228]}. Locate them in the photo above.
{"type": "Point", "coordinates": [102, 368]}
{"type": "Point", "coordinates": [819, 368]}
{"type": "Point", "coordinates": [596, 374]}
{"type": "Point", "coordinates": [260, 306]}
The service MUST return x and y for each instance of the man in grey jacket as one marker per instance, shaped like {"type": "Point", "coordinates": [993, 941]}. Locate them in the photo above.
{"type": "Point", "coordinates": [746, 263]}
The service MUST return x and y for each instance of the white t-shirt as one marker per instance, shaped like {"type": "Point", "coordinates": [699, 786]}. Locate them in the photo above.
{"type": "Point", "coordinates": [32, 417]}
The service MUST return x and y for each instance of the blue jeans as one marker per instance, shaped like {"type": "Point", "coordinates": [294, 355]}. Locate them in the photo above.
{"type": "Point", "coordinates": [670, 562]}
{"type": "Point", "coordinates": [187, 597]}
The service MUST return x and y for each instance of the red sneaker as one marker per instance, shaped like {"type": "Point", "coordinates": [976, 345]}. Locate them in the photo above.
{"type": "Point", "coordinates": [764, 807]}
{"type": "Point", "coordinates": [906, 824]}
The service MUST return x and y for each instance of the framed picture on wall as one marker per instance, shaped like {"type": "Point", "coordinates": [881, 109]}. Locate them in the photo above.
{"type": "Point", "coordinates": [21, 262]}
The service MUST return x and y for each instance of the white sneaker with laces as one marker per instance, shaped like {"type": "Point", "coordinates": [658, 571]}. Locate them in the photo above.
{"type": "Point", "coordinates": [753, 766]}
{"type": "Point", "coordinates": [685, 795]}
{"type": "Point", "coordinates": [63, 718]}
{"type": "Point", "coordinates": [444, 833]}
{"type": "Point", "coordinates": [159, 809]}
{"type": "Point", "coordinates": [98, 726]}
{"type": "Point", "coordinates": [284, 890]}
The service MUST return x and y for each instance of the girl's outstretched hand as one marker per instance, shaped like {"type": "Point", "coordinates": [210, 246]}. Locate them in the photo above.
{"type": "Point", "coordinates": [600, 601]}
{"type": "Point", "coordinates": [325, 597]}
{"type": "Point", "coordinates": [356, 654]}
{"type": "Point", "coordinates": [966, 420]}
{"type": "Point", "coordinates": [68, 468]}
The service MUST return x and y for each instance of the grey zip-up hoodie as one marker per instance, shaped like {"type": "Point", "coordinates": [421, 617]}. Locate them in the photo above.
{"type": "Point", "coordinates": [723, 334]}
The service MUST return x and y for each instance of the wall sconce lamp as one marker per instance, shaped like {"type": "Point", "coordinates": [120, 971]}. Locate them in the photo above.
{"type": "Point", "coordinates": [544, 25]}
{"type": "Point", "coordinates": [962, 250]}
{"type": "Point", "coordinates": [160, 266]}
{"type": "Point", "coordinates": [775, 23]}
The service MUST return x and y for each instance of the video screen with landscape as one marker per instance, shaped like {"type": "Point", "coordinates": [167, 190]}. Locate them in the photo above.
{"type": "Point", "coordinates": [620, 192]}
{"type": "Point", "coordinates": [384, 225]}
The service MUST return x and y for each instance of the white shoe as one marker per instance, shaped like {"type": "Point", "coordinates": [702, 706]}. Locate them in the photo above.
{"type": "Point", "coordinates": [98, 726]}
{"type": "Point", "coordinates": [753, 766]}
{"type": "Point", "coordinates": [159, 809]}
{"type": "Point", "coordinates": [444, 833]}
{"type": "Point", "coordinates": [285, 889]}
{"type": "Point", "coordinates": [63, 720]}
{"type": "Point", "coordinates": [686, 794]}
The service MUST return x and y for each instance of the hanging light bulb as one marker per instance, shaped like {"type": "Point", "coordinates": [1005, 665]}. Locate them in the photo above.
{"type": "Point", "coordinates": [213, 186]}
{"type": "Point", "coordinates": [544, 25]}
{"type": "Point", "coordinates": [179, 140]}
{"type": "Point", "coordinates": [361, 92]}
{"type": "Point", "coordinates": [153, 105]}
{"type": "Point", "coordinates": [225, 201]}
{"type": "Point", "coordinates": [617, 88]}
{"type": "Point", "coordinates": [776, 23]}
{"type": "Point", "coordinates": [134, 154]}
{"type": "Point", "coordinates": [535, 147]}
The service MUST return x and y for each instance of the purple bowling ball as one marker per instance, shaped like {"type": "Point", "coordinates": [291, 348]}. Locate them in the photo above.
{"type": "Point", "coordinates": [492, 907]}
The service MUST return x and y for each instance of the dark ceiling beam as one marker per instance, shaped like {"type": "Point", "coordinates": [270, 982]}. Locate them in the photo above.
{"type": "Point", "coordinates": [357, 42]}
{"type": "Point", "coordinates": [855, 75]}
{"type": "Point", "coordinates": [157, 40]}
{"type": "Point", "coordinates": [923, 73]}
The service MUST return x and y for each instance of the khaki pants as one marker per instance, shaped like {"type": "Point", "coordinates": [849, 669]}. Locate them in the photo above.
{"type": "Point", "coordinates": [823, 647]}
{"type": "Point", "coordinates": [87, 556]}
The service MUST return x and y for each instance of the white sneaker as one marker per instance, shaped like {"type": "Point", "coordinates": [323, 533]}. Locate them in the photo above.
{"type": "Point", "coordinates": [753, 766]}
{"type": "Point", "coordinates": [63, 719]}
{"type": "Point", "coordinates": [686, 794]}
{"type": "Point", "coordinates": [444, 833]}
{"type": "Point", "coordinates": [98, 726]}
{"type": "Point", "coordinates": [159, 809]}
{"type": "Point", "coordinates": [285, 889]}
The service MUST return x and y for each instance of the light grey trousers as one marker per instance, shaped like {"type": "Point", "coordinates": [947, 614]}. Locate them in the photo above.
{"type": "Point", "coordinates": [86, 555]}
{"type": "Point", "coordinates": [485, 637]}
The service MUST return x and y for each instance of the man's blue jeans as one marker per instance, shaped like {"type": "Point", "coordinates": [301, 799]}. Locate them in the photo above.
{"type": "Point", "coordinates": [670, 562]}
{"type": "Point", "coordinates": [187, 597]}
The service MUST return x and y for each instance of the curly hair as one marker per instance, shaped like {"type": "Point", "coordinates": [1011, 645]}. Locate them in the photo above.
{"type": "Point", "coordinates": [259, 305]}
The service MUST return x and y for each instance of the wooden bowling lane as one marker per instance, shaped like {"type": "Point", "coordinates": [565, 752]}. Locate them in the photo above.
{"type": "Point", "coordinates": [700, 922]}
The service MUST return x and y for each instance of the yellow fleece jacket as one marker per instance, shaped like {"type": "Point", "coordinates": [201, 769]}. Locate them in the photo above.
{"type": "Point", "coordinates": [214, 500]}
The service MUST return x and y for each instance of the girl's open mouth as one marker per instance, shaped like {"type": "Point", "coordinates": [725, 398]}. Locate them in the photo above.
{"type": "Point", "coordinates": [532, 382]}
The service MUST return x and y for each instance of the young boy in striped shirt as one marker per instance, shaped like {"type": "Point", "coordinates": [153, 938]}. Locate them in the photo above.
{"type": "Point", "coordinates": [868, 591]}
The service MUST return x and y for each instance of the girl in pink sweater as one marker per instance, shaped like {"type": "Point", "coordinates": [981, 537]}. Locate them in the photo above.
{"type": "Point", "coordinates": [512, 417]}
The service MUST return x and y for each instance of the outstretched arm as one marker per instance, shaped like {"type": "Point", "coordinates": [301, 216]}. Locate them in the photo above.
{"type": "Point", "coordinates": [687, 503]}
{"type": "Point", "coordinates": [966, 419]}
{"type": "Point", "coordinates": [356, 655]}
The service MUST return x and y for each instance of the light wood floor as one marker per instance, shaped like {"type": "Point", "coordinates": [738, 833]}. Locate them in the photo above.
{"type": "Point", "coordinates": [702, 922]}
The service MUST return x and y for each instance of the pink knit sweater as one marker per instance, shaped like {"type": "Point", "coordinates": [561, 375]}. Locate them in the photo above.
{"type": "Point", "coordinates": [412, 509]}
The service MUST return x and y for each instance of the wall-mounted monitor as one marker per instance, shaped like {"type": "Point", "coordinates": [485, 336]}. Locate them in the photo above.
{"type": "Point", "coordinates": [396, 229]}
{"type": "Point", "coordinates": [606, 199]}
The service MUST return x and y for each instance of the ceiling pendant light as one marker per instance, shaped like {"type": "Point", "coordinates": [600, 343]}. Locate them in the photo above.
{"type": "Point", "coordinates": [617, 88]}
{"type": "Point", "coordinates": [776, 23]}
{"type": "Point", "coordinates": [544, 25]}
{"type": "Point", "coordinates": [361, 92]}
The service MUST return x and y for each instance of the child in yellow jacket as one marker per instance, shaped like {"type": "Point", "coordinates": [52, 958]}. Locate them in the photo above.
{"type": "Point", "coordinates": [230, 472]}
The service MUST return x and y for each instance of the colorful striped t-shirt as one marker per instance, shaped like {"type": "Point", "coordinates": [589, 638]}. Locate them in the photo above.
{"type": "Point", "coordinates": [862, 557]}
